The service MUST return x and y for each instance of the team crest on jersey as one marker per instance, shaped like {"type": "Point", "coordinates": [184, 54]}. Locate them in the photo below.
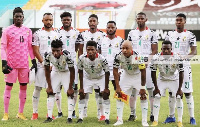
{"type": "Point", "coordinates": [64, 62]}
{"type": "Point", "coordinates": [55, 37]}
{"type": "Point", "coordinates": [173, 65]}
{"type": "Point", "coordinates": [117, 45]}
{"type": "Point", "coordinates": [98, 38]}
{"type": "Point", "coordinates": [27, 32]}
{"type": "Point", "coordinates": [147, 37]}
{"type": "Point", "coordinates": [99, 65]}
{"type": "Point", "coordinates": [184, 38]}
{"type": "Point", "coordinates": [74, 36]}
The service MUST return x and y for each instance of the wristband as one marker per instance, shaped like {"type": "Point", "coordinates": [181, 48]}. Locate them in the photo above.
{"type": "Point", "coordinates": [143, 87]}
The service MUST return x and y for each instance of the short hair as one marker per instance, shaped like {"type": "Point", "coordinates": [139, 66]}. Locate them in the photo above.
{"type": "Point", "coordinates": [56, 43]}
{"type": "Point", "coordinates": [47, 14]}
{"type": "Point", "coordinates": [91, 43]}
{"type": "Point", "coordinates": [111, 22]}
{"type": "Point", "coordinates": [166, 42]}
{"type": "Point", "coordinates": [181, 15]}
{"type": "Point", "coordinates": [17, 10]}
{"type": "Point", "coordinates": [66, 14]}
{"type": "Point", "coordinates": [141, 13]}
{"type": "Point", "coordinates": [93, 15]}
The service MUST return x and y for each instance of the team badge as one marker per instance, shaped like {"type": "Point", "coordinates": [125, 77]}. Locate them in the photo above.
{"type": "Point", "coordinates": [117, 45]}
{"type": "Point", "coordinates": [147, 37]}
{"type": "Point", "coordinates": [184, 38]}
{"type": "Point", "coordinates": [27, 32]}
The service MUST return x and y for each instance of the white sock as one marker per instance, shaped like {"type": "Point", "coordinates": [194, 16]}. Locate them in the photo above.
{"type": "Point", "coordinates": [156, 107]}
{"type": "Point", "coordinates": [132, 104]}
{"type": "Point", "coordinates": [75, 98]}
{"type": "Point", "coordinates": [179, 105]}
{"type": "Point", "coordinates": [58, 98]}
{"type": "Point", "coordinates": [106, 107]}
{"type": "Point", "coordinates": [144, 107]}
{"type": "Point", "coordinates": [190, 104]}
{"type": "Point", "coordinates": [86, 104]}
{"type": "Point", "coordinates": [100, 100]}
{"type": "Point", "coordinates": [70, 107]}
{"type": "Point", "coordinates": [98, 107]}
{"type": "Point", "coordinates": [172, 106]}
{"type": "Point", "coordinates": [81, 105]}
{"type": "Point", "coordinates": [35, 98]}
{"type": "Point", "coordinates": [120, 108]}
{"type": "Point", "coordinates": [50, 105]}
{"type": "Point", "coordinates": [151, 98]}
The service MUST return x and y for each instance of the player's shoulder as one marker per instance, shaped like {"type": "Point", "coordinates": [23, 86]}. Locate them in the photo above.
{"type": "Point", "coordinates": [189, 32]}
{"type": "Point", "coordinates": [100, 56]}
{"type": "Point", "coordinates": [65, 52]}
{"type": "Point", "coordinates": [156, 56]}
{"type": "Point", "coordinates": [47, 54]}
{"type": "Point", "coordinates": [38, 31]}
{"type": "Point", "coordinates": [83, 56]}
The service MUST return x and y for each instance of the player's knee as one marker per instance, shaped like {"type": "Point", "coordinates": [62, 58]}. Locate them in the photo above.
{"type": "Point", "coordinates": [97, 90]}
{"type": "Point", "coordinates": [23, 84]}
{"type": "Point", "coordinates": [23, 87]}
{"type": "Point", "coordinates": [105, 96]}
{"type": "Point", "coordinates": [170, 94]}
{"type": "Point", "coordinates": [50, 95]}
{"type": "Point", "coordinates": [9, 84]}
{"type": "Point", "coordinates": [38, 88]}
{"type": "Point", "coordinates": [187, 95]}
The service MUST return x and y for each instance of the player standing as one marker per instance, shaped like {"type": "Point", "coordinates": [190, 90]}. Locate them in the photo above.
{"type": "Point", "coordinates": [69, 37]}
{"type": "Point", "coordinates": [183, 43]}
{"type": "Point", "coordinates": [133, 76]}
{"type": "Point", "coordinates": [15, 46]}
{"type": "Point", "coordinates": [60, 74]}
{"type": "Point", "coordinates": [145, 42]}
{"type": "Point", "coordinates": [95, 69]}
{"type": "Point", "coordinates": [42, 39]}
{"type": "Point", "coordinates": [96, 35]}
{"type": "Point", "coordinates": [168, 64]}
{"type": "Point", "coordinates": [110, 46]}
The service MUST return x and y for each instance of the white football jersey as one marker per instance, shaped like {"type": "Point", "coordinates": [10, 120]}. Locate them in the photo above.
{"type": "Point", "coordinates": [43, 39]}
{"type": "Point", "coordinates": [69, 39]}
{"type": "Point", "coordinates": [109, 48]}
{"type": "Point", "coordinates": [86, 36]}
{"type": "Point", "coordinates": [60, 64]}
{"type": "Point", "coordinates": [167, 70]}
{"type": "Point", "coordinates": [93, 69]}
{"type": "Point", "coordinates": [130, 65]}
{"type": "Point", "coordinates": [142, 40]}
{"type": "Point", "coordinates": [181, 42]}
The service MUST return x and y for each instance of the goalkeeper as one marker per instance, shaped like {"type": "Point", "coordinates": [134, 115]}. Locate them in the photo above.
{"type": "Point", "coordinates": [130, 78]}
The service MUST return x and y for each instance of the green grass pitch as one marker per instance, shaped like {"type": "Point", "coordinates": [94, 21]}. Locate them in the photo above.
{"type": "Point", "coordinates": [91, 120]}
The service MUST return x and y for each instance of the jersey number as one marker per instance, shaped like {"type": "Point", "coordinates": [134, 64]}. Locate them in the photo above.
{"type": "Point", "coordinates": [176, 44]}
{"type": "Point", "coordinates": [67, 42]}
{"type": "Point", "coordinates": [129, 67]}
{"type": "Point", "coordinates": [187, 85]}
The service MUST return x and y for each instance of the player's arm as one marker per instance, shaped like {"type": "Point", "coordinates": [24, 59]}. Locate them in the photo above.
{"type": "Point", "coordinates": [181, 76]}
{"type": "Point", "coordinates": [70, 62]}
{"type": "Point", "coordinates": [154, 79]}
{"type": "Point", "coordinates": [80, 51]}
{"type": "Point", "coordinates": [80, 72]}
{"type": "Point", "coordinates": [30, 47]}
{"type": "Point", "coordinates": [143, 82]}
{"type": "Point", "coordinates": [37, 53]}
{"type": "Point", "coordinates": [116, 66]}
{"type": "Point", "coordinates": [76, 47]}
{"type": "Point", "coordinates": [48, 74]}
{"type": "Point", "coordinates": [193, 46]}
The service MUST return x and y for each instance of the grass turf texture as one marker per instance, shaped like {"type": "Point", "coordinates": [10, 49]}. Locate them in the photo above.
{"type": "Point", "coordinates": [91, 120]}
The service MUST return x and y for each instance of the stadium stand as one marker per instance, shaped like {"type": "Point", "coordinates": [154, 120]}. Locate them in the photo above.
{"type": "Point", "coordinates": [11, 4]}
{"type": "Point", "coordinates": [34, 4]}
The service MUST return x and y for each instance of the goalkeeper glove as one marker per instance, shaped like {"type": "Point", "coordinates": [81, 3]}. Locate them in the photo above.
{"type": "Point", "coordinates": [5, 68]}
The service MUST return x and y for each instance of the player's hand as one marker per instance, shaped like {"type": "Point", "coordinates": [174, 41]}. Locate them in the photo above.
{"type": "Point", "coordinates": [156, 91]}
{"type": "Point", "coordinates": [143, 94]}
{"type": "Point", "coordinates": [118, 91]}
{"type": "Point", "coordinates": [49, 91]}
{"type": "Point", "coordinates": [70, 93]}
{"type": "Point", "coordinates": [106, 94]}
{"type": "Point", "coordinates": [5, 68]}
{"type": "Point", "coordinates": [82, 94]}
{"type": "Point", "coordinates": [34, 65]}
{"type": "Point", "coordinates": [180, 93]}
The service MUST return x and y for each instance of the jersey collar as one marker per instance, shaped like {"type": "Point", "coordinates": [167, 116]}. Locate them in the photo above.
{"type": "Point", "coordinates": [43, 28]}
{"type": "Point", "coordinates": [145, 28]}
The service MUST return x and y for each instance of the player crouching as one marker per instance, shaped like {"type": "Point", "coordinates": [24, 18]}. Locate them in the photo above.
{"type": "Point", "coordinates": [62, 73]}
{"type": "Point", "coordinates": [168, 78]}
{"type": "Point", "coordinates": [96, 74]}
{"type": "Point", "coordinates": [130, 78]}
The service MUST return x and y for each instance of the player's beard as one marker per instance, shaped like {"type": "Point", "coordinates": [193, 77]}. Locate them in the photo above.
{"type": "Point", "coordinates": [113, 33]}
{"type": "Point", "coordinates": [48, 26]}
